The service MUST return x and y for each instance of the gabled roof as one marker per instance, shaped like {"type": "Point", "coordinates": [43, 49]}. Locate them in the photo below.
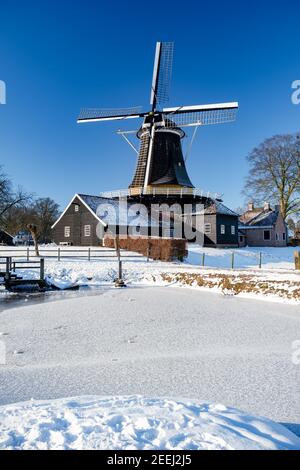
{"type": "Point", "coordinates": [216, 207]}
{"type": "Point", "coordinates": [265, 218]}
{"type": "Point", "coordinates": [114, 211]}
{"type": "Point", "coordinates": [82, 198]}
{"type": "Point", "coordinates": [6, 233]}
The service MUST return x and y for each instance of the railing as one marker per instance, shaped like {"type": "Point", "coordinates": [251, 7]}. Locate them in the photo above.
{"type": "Point", "coordinates": [60, 253]}
{"type": "Point", "coordinates": [156, 191]}
{"type": "Point", "coordinates": [12, 265]}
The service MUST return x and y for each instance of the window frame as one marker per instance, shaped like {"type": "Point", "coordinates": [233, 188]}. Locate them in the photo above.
{"type": "Point", "coordinates": [76, 207]}
{"type": "Point", "coordinates": [87, 228]}
{"type": "Point", "coordinates": [67, 231]}
{"type": "Point", "coordinates": [233, 230]}
{"type": "Point", "coordinates": [205, 227]}
{"type": "Point", "coordinates": [223, 229]}
{"type": "Point", "coordinates": [269, 238]}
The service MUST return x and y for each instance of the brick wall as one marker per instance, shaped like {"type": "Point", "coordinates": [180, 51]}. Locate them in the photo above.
{"type": "Point", "coordinates": [164, 249]}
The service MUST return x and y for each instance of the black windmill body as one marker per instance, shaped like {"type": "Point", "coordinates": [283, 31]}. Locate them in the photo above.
{"type": "Point", "coordinates": [160, 165]}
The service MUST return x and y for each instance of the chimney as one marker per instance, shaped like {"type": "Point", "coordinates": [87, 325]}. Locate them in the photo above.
{"type": "Point", "coordinates": [251, 206]}
{"type": "Point", "coordinates": [267, 206]}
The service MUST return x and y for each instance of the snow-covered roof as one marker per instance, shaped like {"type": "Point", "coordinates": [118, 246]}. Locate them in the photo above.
{"type": "Point", "coordinates": [265, 218]}
{"type": "Point", "coordinates": [111, 211]}
{"type": "Point", "coordinates": [216, 207]}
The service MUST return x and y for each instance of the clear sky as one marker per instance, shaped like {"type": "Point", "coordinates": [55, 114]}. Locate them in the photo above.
{"type": "Point", "coordinates": [58, 56]}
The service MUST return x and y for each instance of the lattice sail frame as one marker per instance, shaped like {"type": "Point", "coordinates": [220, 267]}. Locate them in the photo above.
{"type": "Point", "coordinates": [165, 72]}
{"type": "Point", "coordinates": [199, 118]}
{"type": "Point", "coordinates": [109, 113]}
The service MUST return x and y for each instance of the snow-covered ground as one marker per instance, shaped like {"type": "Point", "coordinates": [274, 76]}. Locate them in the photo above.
{"type": "Point", "coordinates": [137, 423]}
{"type": "Point", "coordinates": [272, 258]}
{"type": "Point", "coordinates": [155, 341]}
{"type": "Point", "coordinates": [276, 281]}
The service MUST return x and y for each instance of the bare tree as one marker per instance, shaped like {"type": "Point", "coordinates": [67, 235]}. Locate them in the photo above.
{"type": "Point", "coordinates": [9, 197]}
{"type": "Point", "coordinates": [33, 231]}
{"type": "Point", "coordinates": [46, 212]}
{"type": "Point", "coordinates": [275, 173]}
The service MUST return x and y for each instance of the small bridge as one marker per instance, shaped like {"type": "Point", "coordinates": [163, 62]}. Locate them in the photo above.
{"type": "Point", "coordinates": [11, 280]}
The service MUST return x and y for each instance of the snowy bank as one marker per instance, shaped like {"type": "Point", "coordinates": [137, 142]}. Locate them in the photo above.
{"type": "Point", "coordinates": [135, 422]}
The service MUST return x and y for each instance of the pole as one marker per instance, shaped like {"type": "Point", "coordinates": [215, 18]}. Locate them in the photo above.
{"type": "Point", "coordinates": [58, 254]}
{"type": "Point", "coordinates": [7, 273]}
{"type": "Point", "coordinates": [203, 260]}
{"type": "Point", "coordinates": [119, 282]}
{"type": "Point", "coordinates": [260, 260]}
{"type": "Point", "coordinates": [28, 253]}
{"type": "Point", "coordinates": [232, 260]}
{"type": "Point", "coordinates": [42, 269]}
{"type": "Point", "coordinates": [89, 254]}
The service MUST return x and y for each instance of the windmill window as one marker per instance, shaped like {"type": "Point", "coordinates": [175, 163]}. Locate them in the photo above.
{"type": "Point", "coordinates": [207, 229]}
{"type": "Point", "coordinates": [232, 229]}
{"type": "Point", "coordinates": [87, 230]}
{"type": "Point", "coordinates": [76, 208]}
{"type": "Point", "coordinates": [267, 235]}
{"type": "Point", "coordinates": [283, 236]}
{"type": "Point", "coordinates": [67, 232]}
{"type": "Point", "coordinates": [222, 228]}
{"type": "Point", "coordinates": [277, 237]}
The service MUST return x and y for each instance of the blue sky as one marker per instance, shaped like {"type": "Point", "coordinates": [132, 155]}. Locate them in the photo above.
{"type": "Point", "coordinates": [58, 56]}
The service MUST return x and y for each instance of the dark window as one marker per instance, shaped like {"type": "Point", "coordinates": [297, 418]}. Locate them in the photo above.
{"type": "Point", "coordinates": [241, 239]}
{"type": "Point", "coordinates": [283, 236]}
{"type": "Point", "coordinates": [267, 235]}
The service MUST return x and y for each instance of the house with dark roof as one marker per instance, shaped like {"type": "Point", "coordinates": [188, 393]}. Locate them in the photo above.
{"type": "Point", "coordinates": [87, 218]}
{"type": "Point", "coordinates": [220, 225]}
{"type": "Point", "coordinates": [262, 226]}
{"type": "Point", "coordinates": [6, 238]}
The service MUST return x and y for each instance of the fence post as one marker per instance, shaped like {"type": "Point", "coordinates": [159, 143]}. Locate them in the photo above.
{"type": "Point", "coordinates": [297, 259]}
{"type": "Point", "coordinates": [28, 253]}
{"type": "Point", "coordinates": [260, 259]}
{"type": "Point", "coordinates": [232, 260]}
{"type": "Point", "coordinates": [42, 269]}
{"type": "Point", "coordinates": [148, 252]}
{"type": "Point", "coordinates": [7, 273]}
{"type": "Point", "coordinates": [203, 260]}
{"type": "Point", "coordinates": [89, 254]}
{"type": "Point", "coordinates": [58, 254]}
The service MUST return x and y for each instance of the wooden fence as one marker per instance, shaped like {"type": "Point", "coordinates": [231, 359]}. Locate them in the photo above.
{"type": "Point", "coordinates": [59, 253]}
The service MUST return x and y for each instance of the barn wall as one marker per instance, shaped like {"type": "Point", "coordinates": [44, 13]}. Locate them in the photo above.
{"type": "Point", "coordinates": [76, 221]}
{"type": "Point", "coordinates": [227, 239]}
{"type": "Point", "coordinates": [255, 236]}
{"type": "Point", "coordinates": [211, 239]}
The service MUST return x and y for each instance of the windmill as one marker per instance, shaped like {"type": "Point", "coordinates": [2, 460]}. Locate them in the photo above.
{"type": "Point", "coordinates": [160, 161]}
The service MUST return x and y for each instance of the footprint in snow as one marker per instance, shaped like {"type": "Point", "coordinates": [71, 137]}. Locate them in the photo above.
{"type": "Point", "coordinates": [131, 340]}
{"type": "Point", "coordinates": [4, 334]}
{"type": "Point", "coordinates": [17, 352]}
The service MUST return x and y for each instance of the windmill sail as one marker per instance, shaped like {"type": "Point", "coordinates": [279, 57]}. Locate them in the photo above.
{"type": "Point", "coordinates": [200, 115]}
{"type": "Point", "coordinates": [98, 114]}
{"type": "Point", "coordinates": [162, 73]}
